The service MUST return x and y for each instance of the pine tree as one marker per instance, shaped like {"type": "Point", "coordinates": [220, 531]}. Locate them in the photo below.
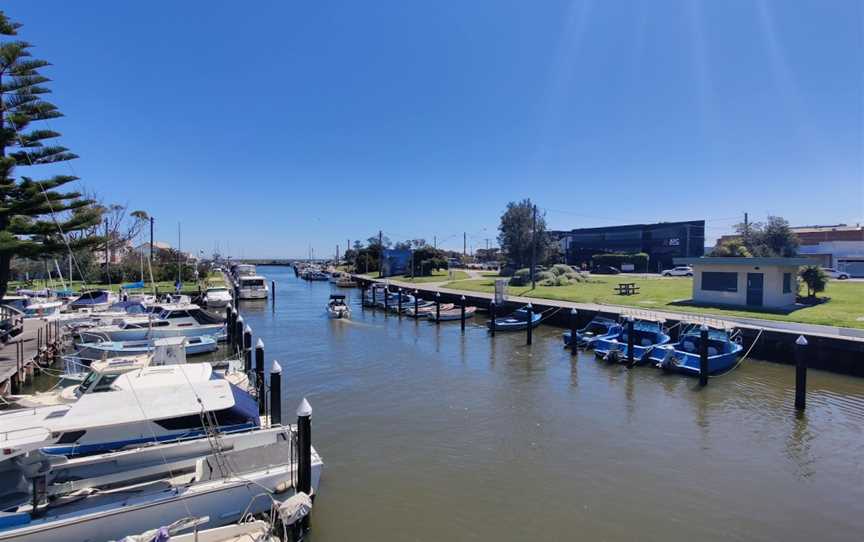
{"type": "Point", "coordinates": [32, 212]}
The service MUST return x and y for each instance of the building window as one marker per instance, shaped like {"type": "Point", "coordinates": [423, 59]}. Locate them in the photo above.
{"type": "Point", "coordinates": [787, 283]}
{"type": "Point", "coordinates": [719, 282]}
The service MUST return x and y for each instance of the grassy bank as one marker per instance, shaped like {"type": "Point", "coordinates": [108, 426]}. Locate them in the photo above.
{"type": "Point", "coordinates": [844, 309]}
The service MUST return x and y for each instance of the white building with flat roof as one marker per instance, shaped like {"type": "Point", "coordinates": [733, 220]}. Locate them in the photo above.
{"type": "Point", "coordinates": [754, 283]}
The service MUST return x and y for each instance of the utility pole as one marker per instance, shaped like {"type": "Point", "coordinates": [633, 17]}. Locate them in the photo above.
{"type": "Point", "coordinates": [533, 250]}
{"type": "Point", "coordinates": [435, 242]}
{"type": "Point", "coordinates": [381, 255]}
{"type": "Point", "coordinates": [746, 228]}
{"type": "Point", "coordinates": [337, 253]}
{"type": "Point", "coordinates": [107, 261]}
{"type": "Point", "coordinates": [464, 244]}
{"type": "Point", "coordinates": [151, 239]}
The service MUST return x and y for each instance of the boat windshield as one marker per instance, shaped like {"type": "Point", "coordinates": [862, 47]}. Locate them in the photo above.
{"type": "Point", "coordinates": [216, 290]}
{"type": "Point", "coordinates": [251, 283]}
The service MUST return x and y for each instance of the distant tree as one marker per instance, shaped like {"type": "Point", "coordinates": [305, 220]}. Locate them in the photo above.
{"type": "Point", "coordinates": [773, 238]}
{"type": "Point", "coordinates": [731, 248]}
{"type": "Point", "coordinates": [373, 241]}
{"type": "Point", "coordinates": [815, 279]}
{"type": "Point", "coordinates": [515, 233]}
{"type": "Point", "coordinates": [32, 212]}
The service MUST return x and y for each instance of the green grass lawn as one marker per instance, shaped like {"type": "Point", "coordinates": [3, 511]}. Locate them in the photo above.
{"type": "Point", "coordinates": [436, 276]}
{"type": "Point", "coordinates": [844, 308]}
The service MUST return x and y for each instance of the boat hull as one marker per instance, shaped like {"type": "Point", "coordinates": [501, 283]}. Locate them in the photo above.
{"type": "Point", "coordinates": [689, 363]}
{"type": "Point", "coordinates": [142, 334]}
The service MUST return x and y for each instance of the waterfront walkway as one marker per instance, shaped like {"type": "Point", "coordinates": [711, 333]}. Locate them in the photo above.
{"type": "Point", "coordinates": [14, 366]}
{"type": "Point", "coordinates": [709, 319]}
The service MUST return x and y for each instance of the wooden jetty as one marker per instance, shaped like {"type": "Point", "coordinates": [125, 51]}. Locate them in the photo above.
{"type": "Point", "coordinates": [36, 347]}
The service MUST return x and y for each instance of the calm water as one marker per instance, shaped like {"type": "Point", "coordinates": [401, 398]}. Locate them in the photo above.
{"type": "Point", "coordinates": [431, 435]}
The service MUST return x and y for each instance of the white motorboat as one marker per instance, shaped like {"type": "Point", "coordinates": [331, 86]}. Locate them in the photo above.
{"type": "Point", "coordinates": [151, 404]}
{"type": "Point", "coordinates": [337, 308]}
{"type": "Point", "coordinates": [185, 320]}
{"type": "Point", "coordinates": [125, 493]}
{"type": "Point", "coordinates": [42, 309]}
{"type": "Point", "coordinates": [217, 297]}
{"type": "Point", "coordinates": [109, 349]}
{"type": "Point", "coordinates": [252, 287]}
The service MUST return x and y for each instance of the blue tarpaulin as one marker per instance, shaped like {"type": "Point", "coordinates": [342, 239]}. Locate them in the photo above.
{"type": "Point", "coordinates": [134, 286]}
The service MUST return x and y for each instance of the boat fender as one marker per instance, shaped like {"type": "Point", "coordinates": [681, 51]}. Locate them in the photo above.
{"type": "Point", "coordinates": [282, 486]}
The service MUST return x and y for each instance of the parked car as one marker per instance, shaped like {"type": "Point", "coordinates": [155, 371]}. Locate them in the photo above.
{"type": "Point", "coordinates": [834, 274]}
{"type": "Point", "coordinates": [678, 271]}
{"type": "Point", "coordinates": [605, 270]}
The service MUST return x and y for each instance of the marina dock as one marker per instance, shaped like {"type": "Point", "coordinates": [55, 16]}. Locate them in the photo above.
{"type": "Point", "coordinates": [36, 347]}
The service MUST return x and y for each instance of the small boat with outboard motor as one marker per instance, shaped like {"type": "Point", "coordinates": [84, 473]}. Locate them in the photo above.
{"type": "Point", "coordinates": [337, 307]}
{"type": "Point", "coordinates": [516, 321]}
{"type": "Point", "coordinates": [424, 307]}
{"type": "Point", "coordinates": [722, 348]}
{"type": "Point", "coordinates": [453, 313]}
{"type": "Point", "coordinates": [647, 335]}
{"type": "Point", "coordinates": [598, 328]}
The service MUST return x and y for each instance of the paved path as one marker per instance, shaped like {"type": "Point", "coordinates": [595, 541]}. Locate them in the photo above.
{"type": "Point", "coordinates": [709, 319]}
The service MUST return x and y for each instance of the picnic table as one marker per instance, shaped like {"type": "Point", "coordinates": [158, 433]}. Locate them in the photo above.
{"type": "Point", "coordinates": [627, 288]}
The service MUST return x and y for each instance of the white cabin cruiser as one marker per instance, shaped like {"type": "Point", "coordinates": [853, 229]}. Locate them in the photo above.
{"type": "Point", "coordinates": [217, 297]}
{"type": "Point", "coordinates": [110, 496]}
{"type": "Point", "coordinates": [185, 320]}
{"type": "Point", "coordinates": [151, 404]}
{"type": "Point", "coordinates": [251, 287]}
{"type": "Point", "coordinates": [337, 308]}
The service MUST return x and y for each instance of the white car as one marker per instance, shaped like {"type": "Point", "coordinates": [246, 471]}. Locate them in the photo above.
{"type": "Point", "coordinates": [834, 274]}
{"type": "Point", "coordinates": [679, 271]}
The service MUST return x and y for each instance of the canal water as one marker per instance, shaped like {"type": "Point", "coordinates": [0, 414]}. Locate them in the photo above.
{"type": "Point", "coordinates": [428, 434]}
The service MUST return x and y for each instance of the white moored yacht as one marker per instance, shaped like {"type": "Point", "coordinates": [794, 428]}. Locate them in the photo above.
{"type": "Point", "coordinates": [252, 287]}
{"type": "Point", "coordinates": [186, 320]}
{"type": "Point", "coordinates": [217, 297]}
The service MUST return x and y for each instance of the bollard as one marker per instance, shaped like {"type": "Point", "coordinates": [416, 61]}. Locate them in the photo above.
{"type": "Point", "coordinates": [437, 307]}
{"type": "Point", "coordinates": [416, 301]}
{"type": "Point", "coordinates": [462, 314]}
{"type": "Point", "coordinates": [386, 301]}
{"type": "Point", "coordinates": [703, 355]}
{"type": "Point", "coordinates": [399, 308]}
{"type": "Point", "coordinates": [304, 451]}
{"type": "Point", "coordinates": [492, 316]}
{"type": "Point", "coordinates": [275, 394]}
{"type": "Point", "coordinates": [530, 322]}
{"type": "Point", "coordinates": [801, 373]}
{"type": "Point", "coordinates": [228, 330]}
{"type": "Point", "coordinates": [630, 341]}
{"type": "Point", "coordinates": [247, 350]}
{"type": "Point", "coordinates": [574, 329]}
{"type": "Point", "coordinates": [259, 377]}
{"type": "Point", "coordinates": [238, 334]}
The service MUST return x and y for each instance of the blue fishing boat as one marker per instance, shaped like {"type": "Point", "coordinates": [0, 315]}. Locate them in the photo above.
{"type": "Point", "coordinates": [598, 328]}
{"type": "Point", "coordinates": [647, 336]}
{"type": "Point", "coordinates": [517, 320]}
{"type": "Point", "coordinates": [683, 356]}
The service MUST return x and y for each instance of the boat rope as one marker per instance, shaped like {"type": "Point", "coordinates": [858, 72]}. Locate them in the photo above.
{"type": "Point", "coordinates": [552, 312]}
{"type": "Point", "coordinates": [742, 358]}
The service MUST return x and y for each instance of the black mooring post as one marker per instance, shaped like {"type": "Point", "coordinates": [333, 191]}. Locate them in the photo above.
{"type": "Point", "coordinates": [386, 301]}
{"type": "Point", "coordinates": [276, 394]}
{"type": "Point", "coordinates": [374, 290]}
{"type": "Point", "coordinates": [228, 331]}
{"type": "Point", "coordinates": [247, 350]}
{"type": "Point", "coordinates": [574, 329]}
{"type": "Point", "coordinates": [238, 335]}
{"type": "Point", "coordinates": [801, 373]}
{"type": "Point", "coordinates": [703, 355]}
{"type": "Point", "coordinates": [304, 445]}
{"type": "Point", "coordinates": [273, 292]}
{"type": "Point", "coordinates": [416, 303]}
{"type": "Point", "coordinates": [259, 377]}
{"type": "Point", "coordinates": [530, 322]}
{"type": "Point", "coordinates": [399, 307]}
{"type": "Point", "coordinates": [362, 295]}
{"type": "Point", "coordinates": [630, 341]}
{"type": "Point", "coordinates": [462, 314]}
{"type": "Point", "coordinates": [492, 316]}
{"type": "Point", "coordinates": [437, 307]}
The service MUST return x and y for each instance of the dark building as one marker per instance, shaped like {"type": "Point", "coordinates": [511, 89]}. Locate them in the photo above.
{"type": "Point", "coordinates": [662, 242]}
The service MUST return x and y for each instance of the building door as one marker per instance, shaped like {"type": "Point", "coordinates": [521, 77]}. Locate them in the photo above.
{"type": "Point", "coordinates": [754, 289]}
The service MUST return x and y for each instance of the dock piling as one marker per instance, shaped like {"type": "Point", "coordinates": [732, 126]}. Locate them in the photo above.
{"type": "Point", "coordinates": [437, 308]}
{"type": "Point", "coordinates": [238, 335]}
{"type": "Point", "coordinates": [630, 341]}
{"type": "Point", "coordinates": [574, 329]}
{"type": "Point", "coordinates": [362, 295]}
{"type": "Point", "coordinates": [229, 330]}
{"type": "Point", "coordinates": [272, 292]}
{"type": "Point", "coordinates": [386, 301]}
{"type": "Point", "coordinates": [259, 377]}
{"type": "Point", "coordinates": [462, 314]}
{"type": "Point", "coordinates": [703, 355]}
{"type": "Point", "coordinates": [530, 322]}
{"type": "Point", "coordinates": [276, 394]}
{"type": "Point", "coordinates": [492, 316]}
{"type": "Point", "coordinates": [416, 301]}
{"type": "Point", "coordinates": [247, 349]}
{"type": "Point", "coordinates": [801, 373]}
{"type": "Point", "coordinates": [304, 445]}
{"type": "Point", "coordinates": [399, 307]}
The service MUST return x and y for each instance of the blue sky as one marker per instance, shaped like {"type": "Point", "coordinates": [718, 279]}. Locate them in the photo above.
{"type": "Point", "coordinates": [276, 125]}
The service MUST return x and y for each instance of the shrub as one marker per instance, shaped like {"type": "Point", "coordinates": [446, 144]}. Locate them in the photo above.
{"type": "Point", "coordinates": [815, 279]}
{"type": "Point", "coordinates": [560, 269]}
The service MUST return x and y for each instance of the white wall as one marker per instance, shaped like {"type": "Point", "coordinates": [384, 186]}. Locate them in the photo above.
{"type": "Point", "coordinates": [772, 285]}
